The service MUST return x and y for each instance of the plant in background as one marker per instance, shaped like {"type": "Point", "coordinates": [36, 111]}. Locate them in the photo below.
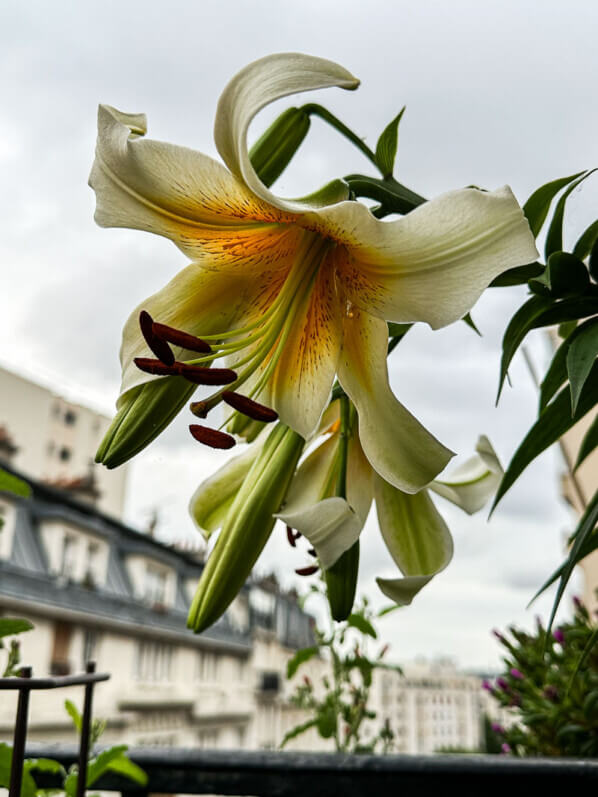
{"type": "Point", "coordinates": [113, 759]}
{"type": "Point", "coordinates": [338, 707]}
{"type": "Point", "coordinates": [550, 686]}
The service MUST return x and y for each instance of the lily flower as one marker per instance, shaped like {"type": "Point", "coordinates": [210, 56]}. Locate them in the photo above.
{"type": "Point", "coordinates": [415, 533]}
{"type": "Point", "coordinates": [291, 292]}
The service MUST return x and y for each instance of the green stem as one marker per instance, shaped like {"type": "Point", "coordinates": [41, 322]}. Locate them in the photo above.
{"type": "Point", "coordinates": [313, 109]}
{"type": "Point", "coordinates": [343, 446]}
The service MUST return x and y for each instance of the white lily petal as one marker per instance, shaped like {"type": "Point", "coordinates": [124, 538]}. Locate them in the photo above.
{"type": "Point", "coordinates": [360, 484]}
{"type": "Point", "coordinates": [254, 87]}
{"type": "Point", "coordinates": [432, 264]}
{"type": "Point", "coordinates": [397, 446]}
{"type": "Point", "coordinates": [331, 526]}
{"type": "Point", "coordinates": [185, 196]}
{"type": "Point", "coordinates": [314, 478]}
{"type": "Point", "coordinates": [213, 498]}
{"type": "Point", "coordinates": [472, 484]}
{"type": "Point", "coordinates": [416, 537]}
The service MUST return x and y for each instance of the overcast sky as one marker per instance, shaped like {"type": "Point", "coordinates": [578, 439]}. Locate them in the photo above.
{"type": "Point", "coordinates": [496, 92]}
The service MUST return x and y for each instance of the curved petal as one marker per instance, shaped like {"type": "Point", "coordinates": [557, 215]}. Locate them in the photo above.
{"type": "Point", "coordinates": [395, 443]}
{"type": "Point", "coordinates": [196, 300]}
{"type": "Point", "coordinates": [254, 87]}
{"type": "Point", "coordinates": [432, 264]}
{"type": "Point", "coordinates": [474, 482]}
{"type": "Point", "coordinates": [416, 536]}
{"type": "Point", "coordinates": [213, 498]}
{"type": "Point", "coordinates": [303, 377]}
{"type": "Point", "coordinates": [315, 478]}
{"type": "Point", "coordinates": [182, 195]}
{"type": "Point", "coordinates": [330, 525]}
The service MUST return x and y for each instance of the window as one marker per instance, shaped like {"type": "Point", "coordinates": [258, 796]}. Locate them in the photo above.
{"type": "Point", "coordinates": [64, 454]}
{"type": "Point", "coordinates": [70, 418]}
{"type": "Point", "coordinates": [206, 667]}
{"type": "Point", "coordinates": [90, 645]}
{"type": "Point", "coordinates": [60, 664]}
{"type": "Point", "coordinates": [207, 739]}
{"type": "Point", "coordinates": [154, 662]}
{"type": "Point", "coordinates": [91, 578]}
{"type": "Point", "coordinates": [68, 556]}
{"type": "Point", "coordinates": [155, 585]}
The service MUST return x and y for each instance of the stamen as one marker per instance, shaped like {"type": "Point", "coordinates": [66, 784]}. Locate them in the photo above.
{"type": "Point", "coordinates": [200, 408]}
{"type": "Point", "coordinates": [180, 338]}
{"type": "Point", "coordinates": [292, 536]}
{"type": "Point", "coordinates": [159, 346]}
{"type": "Point", "coordinates": [211, 437]}
{"type": "Point", "coordinates": [307, 571]}
{"type": "Point", "coordinates": [206, 376]}
{"type": "Point", "coordinates": [156, 367]}
{"type": "Point", "coordinates": [312, 552]}
{"type": "Point", "coordinates": [246, 406]}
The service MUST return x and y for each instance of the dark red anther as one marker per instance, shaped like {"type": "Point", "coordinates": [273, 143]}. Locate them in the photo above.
{"type": "Point", "coordinates": [158, 345]}
{"type": "Point", "coordinates": [211, 437]}
{"type": "Point", "coordinates": [180, 338]}
{"type": "Point", "coordinates": [292, 537]}
{"type": "Point", "coordinates": [312, 552]}
{"type": "Point", "coordinates": [252, 409]}
{"type": "Point", "coordinates": [206, 376]}
{"type": "Point", "coordinates": [156, 367]}
{"type": "Point", "coordinates": [199, 408]}
{"type": "Point", "coordinates": [307, 571]}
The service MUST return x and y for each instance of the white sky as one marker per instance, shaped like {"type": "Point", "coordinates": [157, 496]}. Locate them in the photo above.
{"type": "Point", "coordinates": [496, 92]}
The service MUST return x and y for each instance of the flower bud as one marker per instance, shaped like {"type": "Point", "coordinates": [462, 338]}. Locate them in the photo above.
{"type": "Point", "coordinates": [558, 635]}
{"type": "Point", "coordinates": [517, 674]}
{"type": "Point", "coordinates": [247, 526]}
{"type": "Point", "coordinates": [273, 151]}
{"type": "Point", "coordinates": [144, 412]}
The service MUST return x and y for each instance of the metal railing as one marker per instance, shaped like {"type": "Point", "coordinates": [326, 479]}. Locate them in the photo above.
{"type": "Point", "coordinates": [284, 774]}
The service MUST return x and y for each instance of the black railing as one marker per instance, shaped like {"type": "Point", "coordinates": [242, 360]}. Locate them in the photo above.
{"type": "Point", "coordinates": [282, 774]}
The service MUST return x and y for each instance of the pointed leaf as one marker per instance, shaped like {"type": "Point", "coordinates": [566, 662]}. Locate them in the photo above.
{"type": "Point", "coordinates": [517, 276]}
{"type": "Point", "coordinates": [12, 484]}
{"type": "Point", "coordinates": [359, 622]}
{"type": "Point", "coordinates": [74, 714]}
{"type": "Point", "coordinates": [99, 764]}
{"type": "Point", "coordinates": [124, 766]}
{"type": "Point", "coordinates": [13, 625]}
{"type": "Point", "coordinates": [537, 206]}
{"type": "Point", "coordinates": [297, 730]}
{"type": "Point", "coordinates": [386, 148]}
{"type": "Point", "coordinates": [591, 544]}
{"type": "Point", "coordinates": [554, 236]}
{"type": "Point", "coordinates": [565, 275]}
{"type": "Point", "coordinates": [555, 376]}
{"type": "Point", "coordinates": [518, 327]}
{"type": "Point", "coordinates": [580, 359]}
{"type": "Point", "coordinates": [586, 241]}
{"type": "Point", "coordinates": [593, 261]}
{"type": "Point", "coordinates": [300, 657]}
{"type": "Point", "coordinates": [553, 422]}
{"type": "Point", "coordinates": [470, 323]}
{"type": "Point", "coordinates": [588, 444]}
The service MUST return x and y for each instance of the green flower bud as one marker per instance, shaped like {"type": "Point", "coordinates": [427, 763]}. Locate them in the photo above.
{"type": "Point", "coordinates": [341, 583]}
{"type": "Point", "coordinates": [273, 151]}
{"type": "Point", "coordinates": [144, 413]}
{"type": "Point", "coordinates": [247, 527]}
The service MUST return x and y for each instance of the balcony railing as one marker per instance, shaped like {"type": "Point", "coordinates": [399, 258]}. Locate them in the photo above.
{"type": "Point", "coordinates": [284, 774]}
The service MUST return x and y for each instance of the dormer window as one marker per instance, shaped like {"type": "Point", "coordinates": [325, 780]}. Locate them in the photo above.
{"type": "Point", "coordinates": [68, 556]}
{"type": "Point", "coordinates": [155, 585]}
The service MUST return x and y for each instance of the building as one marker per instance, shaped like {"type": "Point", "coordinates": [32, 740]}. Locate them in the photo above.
{"type": "Point", "coordinates": [97, 589]}
{"type": "Point", "coordinates": [54, 440]}
{"type": "Point", "coordinates": [430, 707]}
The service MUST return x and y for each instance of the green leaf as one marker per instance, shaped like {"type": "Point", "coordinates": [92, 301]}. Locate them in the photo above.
{"type": "Point", "coordinates": [98, 765]}
{"type": "Point", "coordinates": [14, 625]}
{"type": "Point", "coordinates": [586, 241]}
{"type": "Point", "coordinates": [554, 236]}
{"type": "Point", "coordinates": [124, 766]}
{"type": "Point", "coordinates": [591, 702]}
{"type": "Point", "coordinates": [12, 484]}
{"type": "Point", "coordinates": [565, 275]}
{"type": "Point", "coordinates": [540, 311]}
{"type": "Point", "coordinates": [297, 730]}
{"type": "Point", "coordinates": [593, 261]}
{"type": "Point", "coordinates": [555, 376]}
{"type": "Point", "coordinates": [28, 786]}
{"type": "Point", "coordinates": [386, 148]}
{"type": "Point", "coordinates": [517, 276]}
{"type": "Point", "coordinates": [471, 324]}
{"type": "Point", "coordinates": [326, 722]}
{"type": "Point", "coordinates": [359, 621]}
{"type": "Point", "coordinates": [74, 714]}
{"type": "Point", "coordinates": [591, 544]}
{"type": "Point", "coordinates": [552, 424]}
{"type": "Point", "coordinates": [580, 359]}
{"type": "Point", "coordinates": [588, 444]}
{"type": "Point", "coordinates": [44, 765]}
{"type": "Point", "coordinates": [537, 206]}
{"type": "Point", "coordinates": [70, 784]}
{"type": "Point", "coordinates": [300, 657]}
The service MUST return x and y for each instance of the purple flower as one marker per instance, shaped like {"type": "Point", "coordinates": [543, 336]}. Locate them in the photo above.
{"type": "Point", "coordinates": [577, 602]}
{"type": "Point", "coordinates": [498, 635]}
{"type": "Point", "coordinates": [502, 684]}
{"type": "Point", "coordinates": [505, 748]}
{"type": "Point", "coordinates": [515, 673]}
{"type": "Point", "coordinates": [497, 728]}
{"type": "Point", "coordinates": [558, 635]}
{"type": "Point", "coordinates": [487, 686]}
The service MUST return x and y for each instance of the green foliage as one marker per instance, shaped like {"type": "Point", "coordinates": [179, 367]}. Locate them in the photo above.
{"type": "Point", "coordinates": [113, 759]}
{"type": "Point", "coordinates": [550, 683]}
{"type": "Point", "coordinates": [10, 626]}
{"type": "Point", "coordinates": [338, 707]}
{"type": "Point", "coordinates": [565, 292]}
{"type": "Point", "coordinates": [12, 484]}
{"type": "Point", "coordinates": [386, 148]}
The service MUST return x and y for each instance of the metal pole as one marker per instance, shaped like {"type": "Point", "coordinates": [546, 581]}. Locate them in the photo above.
{"type": "Point", "coordinates": [18, 745]}
{"type": "Point", "coordinates": [90, 667]}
